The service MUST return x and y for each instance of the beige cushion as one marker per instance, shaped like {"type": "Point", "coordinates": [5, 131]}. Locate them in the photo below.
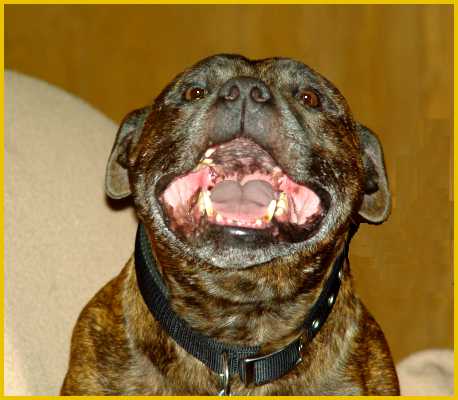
{"type": "Point", "coordinates": [62, 240]}
{"type": "Point", "coordinates": [427, 373]}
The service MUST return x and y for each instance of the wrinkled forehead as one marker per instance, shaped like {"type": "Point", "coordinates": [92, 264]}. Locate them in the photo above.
{"type": "Point", "coordinates": [279, 71]}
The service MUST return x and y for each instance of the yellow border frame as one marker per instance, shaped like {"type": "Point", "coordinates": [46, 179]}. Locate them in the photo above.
{"type": "Point", "coordinates": [235, 2]}
{"type": "Point", "coordinates": [330, 2]}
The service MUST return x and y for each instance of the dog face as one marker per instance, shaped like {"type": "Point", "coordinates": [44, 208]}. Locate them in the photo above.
{"type": "Point", "coordinates": [239, 163]}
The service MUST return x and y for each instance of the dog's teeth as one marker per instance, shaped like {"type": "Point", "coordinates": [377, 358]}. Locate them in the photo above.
{"type": "Point", "coordinates": [207, 161]}
{"type": "Point", "coordinates": [219, 218]}
{"type": "Point", "coordinates": [201, 203]}
{"type": "Point", "coordinates": [270, 210]}
{"type": "Point", "coordinates": [209, 152]}
{"type": "Point", "coordinates": [258, 222]}
{"type": "Point", "coordinates": [208, 203]}
{"type": "Point", "coordinates": [283, 198]}
{"type": "Point", "coordinates": [282, 205]}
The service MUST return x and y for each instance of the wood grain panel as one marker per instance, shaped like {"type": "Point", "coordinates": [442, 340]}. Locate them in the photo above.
{"type": "Point", "coordinates": [393, 64]}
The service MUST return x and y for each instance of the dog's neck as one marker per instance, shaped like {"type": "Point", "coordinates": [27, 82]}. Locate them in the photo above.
{"type": "Point", "coordinates": [260, 306]}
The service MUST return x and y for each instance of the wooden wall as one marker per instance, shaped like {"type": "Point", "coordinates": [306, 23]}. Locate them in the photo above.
{"type": "Point", "coordinates": [393, 64]}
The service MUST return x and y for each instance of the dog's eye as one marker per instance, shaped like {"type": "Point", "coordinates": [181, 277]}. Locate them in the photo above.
{"type": "Point", "coordinates": [309, 98]}
{"type": "Point", "coordinates": [194, 93]}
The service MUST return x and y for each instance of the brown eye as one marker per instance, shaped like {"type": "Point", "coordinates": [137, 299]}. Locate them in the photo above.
{"type": "Point", "coordinates": [310, 98]}
{"type": "Point", "coordinates": [194, 93]}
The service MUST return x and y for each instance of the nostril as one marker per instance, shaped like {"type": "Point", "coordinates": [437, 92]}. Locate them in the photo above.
{"type": "Point", "coordinates": [258, 95]}
{"type": "Point", "coordinates": [244, 88]}
{"type": "Point", "coordinates": [232, 94]}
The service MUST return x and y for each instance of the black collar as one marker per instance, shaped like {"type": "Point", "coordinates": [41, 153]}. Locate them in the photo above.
{"type": "Point", "coordinates": [226, 359]}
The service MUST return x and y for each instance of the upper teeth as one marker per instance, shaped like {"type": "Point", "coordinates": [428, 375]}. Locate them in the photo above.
{"type": "Point", "coordinates": [208, 203]}
{"type": "Point", "coordinates": [207, 161]}
{"type": "Point", "coordinates": [201, 203]}
{"type": "Point", "coordinates": [209, 152]}
{"type": "Point", "coordinates": [282, 205]}
{"type": "Point", "coordinates": [270, 210]}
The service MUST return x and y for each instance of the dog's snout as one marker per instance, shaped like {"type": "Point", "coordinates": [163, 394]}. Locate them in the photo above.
{"type": "Point", "coordinates": [245, 88]}
{"type": "Point", "coordinates": [244, 106]}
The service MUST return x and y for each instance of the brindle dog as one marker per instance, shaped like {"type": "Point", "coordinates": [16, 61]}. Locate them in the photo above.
{"type": "Point", "coordinates": [248, 177]}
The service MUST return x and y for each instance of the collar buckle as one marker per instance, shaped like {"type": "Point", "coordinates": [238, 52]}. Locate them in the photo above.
{"type": "Point", "coordinates": [248, 375]}
{"type": "Point", "coordinates": [248, 365]}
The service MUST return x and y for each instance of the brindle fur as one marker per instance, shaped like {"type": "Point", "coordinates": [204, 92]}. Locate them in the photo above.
{"type": "Point", "coordinates": [118, 347]}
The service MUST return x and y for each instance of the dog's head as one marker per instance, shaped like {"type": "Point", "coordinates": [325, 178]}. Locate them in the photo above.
{"type": "Point", "coordinates": [239, 163]}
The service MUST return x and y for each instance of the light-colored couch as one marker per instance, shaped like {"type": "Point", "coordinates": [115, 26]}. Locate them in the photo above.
{"type": "Point", "coordinates": [63, 241]}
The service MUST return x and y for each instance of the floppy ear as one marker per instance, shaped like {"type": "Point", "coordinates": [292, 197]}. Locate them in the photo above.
{"type": "Point", "coordinates": [116, 178]}
{"type": "Point", "coordinates": [376, 205]}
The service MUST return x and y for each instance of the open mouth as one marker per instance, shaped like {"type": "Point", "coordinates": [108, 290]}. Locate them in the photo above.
{"type": "Point", "coordinates": [238, 185]}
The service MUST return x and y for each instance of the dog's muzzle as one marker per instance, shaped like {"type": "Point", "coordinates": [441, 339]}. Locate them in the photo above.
{"type": "Point", "coordinates": [239, 186]}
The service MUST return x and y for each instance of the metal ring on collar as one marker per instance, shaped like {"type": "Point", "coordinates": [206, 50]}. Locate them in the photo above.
{"type": "Point", "coordinates": [225, 390]}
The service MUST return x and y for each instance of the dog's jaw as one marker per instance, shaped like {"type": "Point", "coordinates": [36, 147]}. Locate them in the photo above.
{"type": "Point", "coordinates": [236, 305]}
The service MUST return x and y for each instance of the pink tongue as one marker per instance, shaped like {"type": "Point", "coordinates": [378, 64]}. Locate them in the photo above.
{"type": "Point", "coordinates": [242, 203]}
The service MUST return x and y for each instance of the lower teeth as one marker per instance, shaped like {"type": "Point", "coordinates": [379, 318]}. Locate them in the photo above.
{"type": "Point", "coordinates": [275, 208]}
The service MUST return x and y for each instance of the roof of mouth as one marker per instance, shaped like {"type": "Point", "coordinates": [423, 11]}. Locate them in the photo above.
{"type": "Point", "coordinates": [240, 155]}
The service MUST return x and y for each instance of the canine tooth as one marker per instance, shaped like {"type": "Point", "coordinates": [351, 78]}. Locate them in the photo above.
{"type": "Point", "coordinates": [207, 161]}
{"type": "Point", "coordinates": [201, 203]}
{"type": "Point", "coordinates": [270, 210]}
{"type": "Point", "coordinates": [209, 152]}
{"type": "Point", "coordinates": [282, 201]}
{"type": "Point", "coordinates": [219, 218]}
{"type": "Point", "coordinates": [279, 212]}
{"type": "Point", "coordinates": [208, 203]}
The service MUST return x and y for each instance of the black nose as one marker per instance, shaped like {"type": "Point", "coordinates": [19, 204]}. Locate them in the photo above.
{"type": "Point", "coordinates": [245, 88]}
